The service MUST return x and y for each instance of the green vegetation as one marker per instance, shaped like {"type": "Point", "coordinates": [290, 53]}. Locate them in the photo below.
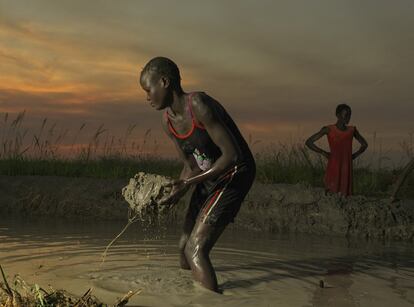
{"type": "Point", "coordinates": [20, 293]}
{"type": "Point", "coordinates": [98, 168]}
{"type": "Point", "coordinates": [295, 163]}
{"type": "Point", "coordinates": [48, 153]}
{"type": "Point", "coordinates": [119, 158]}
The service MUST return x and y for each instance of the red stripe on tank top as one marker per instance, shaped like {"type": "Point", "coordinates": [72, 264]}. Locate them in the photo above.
{"type": "Point", "coordinates": [176, 134]}
{"type": "Point", "coordinates": [192, 114]}
{"type": "Point", "coordinates": [193, 122]}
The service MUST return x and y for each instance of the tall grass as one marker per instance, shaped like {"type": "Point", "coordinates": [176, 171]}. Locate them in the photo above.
{"type": "Point", "coordinates": [289, 164]}
{"type": "Point", "coordinates": [50, 151]}
{"type": "Point", "coordinates": [293, 163]}
{"type": "Point", "coordinates": [56, 152]}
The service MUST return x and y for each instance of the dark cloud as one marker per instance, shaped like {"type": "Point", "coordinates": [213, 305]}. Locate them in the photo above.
{"type": "Point", "coordinates": [280, 68]}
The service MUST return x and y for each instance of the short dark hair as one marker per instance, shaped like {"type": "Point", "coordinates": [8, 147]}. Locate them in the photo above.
{"type": "Point", "coordinates": [341, 107]}
{"type": "Point", "coordinates": [163, 66]}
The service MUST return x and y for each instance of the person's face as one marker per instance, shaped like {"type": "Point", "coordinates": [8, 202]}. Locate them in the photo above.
{"type": "Point", "coordinates": [156, 89]}
{"type": "Point", "coordinates": [345, 116]}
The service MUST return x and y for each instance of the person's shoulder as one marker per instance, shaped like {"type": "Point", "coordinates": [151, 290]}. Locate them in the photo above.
{"type": "Point", "coordinates": [199, 99]}
{"type": "Point", "coordinates": [200, 102]}
{"type": "Point", "coordinates": [326, 129]}
{"type": "Point", "coordinates": [204, 107]}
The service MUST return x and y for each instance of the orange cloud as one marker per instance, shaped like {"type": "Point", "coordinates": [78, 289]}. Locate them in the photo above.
{"type": "Point", "coordinates": [40, 62]}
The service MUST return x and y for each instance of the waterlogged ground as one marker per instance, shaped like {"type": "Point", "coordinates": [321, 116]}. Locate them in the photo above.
{"type": "Point", "coordinates": [268, 207]}
{"type": "Point", "coordinates": [254, 269]}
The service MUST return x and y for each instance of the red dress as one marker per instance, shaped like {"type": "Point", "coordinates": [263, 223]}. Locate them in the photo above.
{"type": "Point", "coordinates": [338, 176]}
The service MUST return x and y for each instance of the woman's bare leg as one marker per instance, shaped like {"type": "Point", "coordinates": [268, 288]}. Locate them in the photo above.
{"type": "Point", "coordinates": [197, 250]}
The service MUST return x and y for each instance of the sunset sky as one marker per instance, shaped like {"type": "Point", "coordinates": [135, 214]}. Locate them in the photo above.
{"type": "Point", "coordinates": [279, 67]}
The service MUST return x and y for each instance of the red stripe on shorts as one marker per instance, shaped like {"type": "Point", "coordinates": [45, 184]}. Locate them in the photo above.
{"type": "Point", "coordinates": [212, 201]}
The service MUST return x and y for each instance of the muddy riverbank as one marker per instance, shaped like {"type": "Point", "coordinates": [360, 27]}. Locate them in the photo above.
{"type": "Point", "coordinates": [272, 208]}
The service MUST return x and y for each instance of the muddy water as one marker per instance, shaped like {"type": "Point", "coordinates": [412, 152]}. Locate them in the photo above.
{"type": "Point", "coordinates": [254, 269]}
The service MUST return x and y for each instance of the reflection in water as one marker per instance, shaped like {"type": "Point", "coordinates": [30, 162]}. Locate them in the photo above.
{"type": "Point", "coordinates": [254, 269]}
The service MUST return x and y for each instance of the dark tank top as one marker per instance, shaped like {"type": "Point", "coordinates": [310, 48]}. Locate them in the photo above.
{"type": "Point", "coordinates": [198, 143]}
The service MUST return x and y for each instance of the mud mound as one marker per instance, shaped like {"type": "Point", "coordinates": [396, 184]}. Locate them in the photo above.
{"type": "Point", "coordinates": [62, 197]}
{"type": "Point", "coordinates": [268, 207]}
{"type": "Point", "coordinates": [144, 192]}
{"type": "Point", "coordinates": [303, 209]}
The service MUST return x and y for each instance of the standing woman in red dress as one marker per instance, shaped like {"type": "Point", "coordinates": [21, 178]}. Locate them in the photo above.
{"type": "Point", "coordinates": [338, 175]}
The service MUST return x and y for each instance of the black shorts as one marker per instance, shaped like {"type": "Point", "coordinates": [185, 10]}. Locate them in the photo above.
{"type": "Point", "coordinates": [217, 202]}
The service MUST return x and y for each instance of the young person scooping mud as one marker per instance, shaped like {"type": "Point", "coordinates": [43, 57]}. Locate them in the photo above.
{"type": "Point", "coordinates": [217, 162]}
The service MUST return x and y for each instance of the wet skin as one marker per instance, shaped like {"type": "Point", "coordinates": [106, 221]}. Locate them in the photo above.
{"type": "Point", "coordinates": [198, 238]}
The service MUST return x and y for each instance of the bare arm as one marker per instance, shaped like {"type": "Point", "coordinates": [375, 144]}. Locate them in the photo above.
{"type": "Point", "coordinates": [191, 174]}
{"type": "Point", "coordinates": [310, 142]}
{"type": "Point", "coordinates": [362, 142]}
{"type": "Point", "coordinates": [220, 135]}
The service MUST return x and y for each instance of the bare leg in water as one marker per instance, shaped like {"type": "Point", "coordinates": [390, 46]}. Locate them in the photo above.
{"type": "Point", "coordinates": [187, 229]}
{"type": "Point", "coordinates": [197, 250]}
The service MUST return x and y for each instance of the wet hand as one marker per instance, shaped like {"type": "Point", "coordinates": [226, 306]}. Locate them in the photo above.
{"type": "Point", "coordinates": [178, 189]}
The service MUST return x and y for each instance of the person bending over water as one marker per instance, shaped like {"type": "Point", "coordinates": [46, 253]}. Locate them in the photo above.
{"type": "Point", "coordinates": [217, 163]}
{"type": "Point", "coordinates": [338, 175]}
